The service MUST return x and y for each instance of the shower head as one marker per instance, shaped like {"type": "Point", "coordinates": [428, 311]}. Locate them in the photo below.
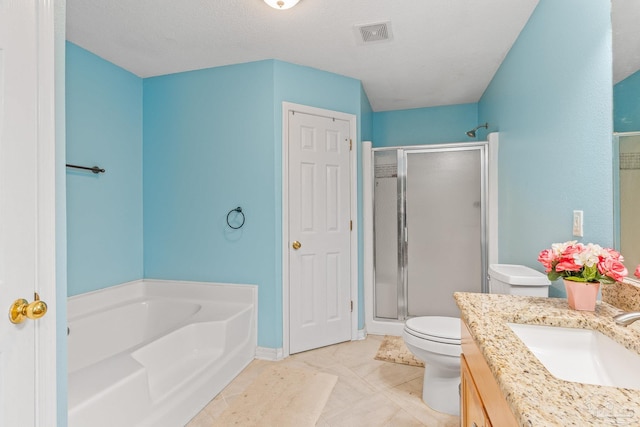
{"type": "Point", "coordinates": [472, 132]}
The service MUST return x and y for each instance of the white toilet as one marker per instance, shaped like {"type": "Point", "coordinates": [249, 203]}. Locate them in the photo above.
{"type": "Point", "coordinates": [436, 339]}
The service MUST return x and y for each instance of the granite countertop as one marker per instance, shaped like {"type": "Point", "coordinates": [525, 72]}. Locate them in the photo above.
{"type": "Point", "coordinates": [536, 397]}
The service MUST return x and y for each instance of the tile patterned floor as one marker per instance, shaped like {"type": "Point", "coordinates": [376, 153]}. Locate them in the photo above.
{"type": "Point", "coordinates": [368, 393]}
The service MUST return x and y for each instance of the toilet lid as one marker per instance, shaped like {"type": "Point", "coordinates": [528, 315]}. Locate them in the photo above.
{"type": "Point", "coordinates": [435, 328]}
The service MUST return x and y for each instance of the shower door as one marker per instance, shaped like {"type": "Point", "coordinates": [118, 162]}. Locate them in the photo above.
{"type": "Point", "coordinates": [429, 219]}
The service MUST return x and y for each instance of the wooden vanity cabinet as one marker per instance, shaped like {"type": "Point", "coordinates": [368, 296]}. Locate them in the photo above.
{"type": "Point", "coordinates": [472, 411]}
{"type": "Point", "coordinates": [482, 401]}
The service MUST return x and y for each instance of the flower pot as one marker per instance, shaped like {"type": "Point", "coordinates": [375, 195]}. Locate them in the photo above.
{"type": "Point", "coordinates": [582, 295]}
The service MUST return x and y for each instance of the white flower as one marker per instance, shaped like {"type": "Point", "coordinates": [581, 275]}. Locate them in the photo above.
{"type": "Point", "coordinates": [559, 248]}
{"type": "Point", "coordinates": [589, 256]}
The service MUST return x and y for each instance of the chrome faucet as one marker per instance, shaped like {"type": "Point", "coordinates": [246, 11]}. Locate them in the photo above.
{"type": "Point", "coordinates": [625, 319]}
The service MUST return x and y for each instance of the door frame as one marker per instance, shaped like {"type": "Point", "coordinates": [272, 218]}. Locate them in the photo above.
{"type": "Point", "coordinates": [617, 207]}
{"type": "Point", "coordinates": [46, 404]}
{"type": "Point", "coordinates": [353, 157]}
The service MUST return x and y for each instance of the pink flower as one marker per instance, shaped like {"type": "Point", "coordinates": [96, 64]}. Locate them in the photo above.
{"type": "Point", "coordinates": [572, 250]}
{"type": "Point", "coordinates": [568, 258]}
{"type": "Point", "coordinates": [546, 258]}
{"type": "Point", "coordinates": [613, 268]}
{"type": "Point", "coordinates": [568, 264]}
{"type": "Point", "coordinates": [613, 254]}
{"type": "Point", "coordinates": [637, 272]}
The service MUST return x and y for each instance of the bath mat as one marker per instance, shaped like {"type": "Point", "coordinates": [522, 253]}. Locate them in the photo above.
{"type": "Point", "coordinates": [280, 396]}
{"type": "Point", "coordinates": [392, 349]}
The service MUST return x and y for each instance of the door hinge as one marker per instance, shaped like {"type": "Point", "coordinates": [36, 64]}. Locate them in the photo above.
{"type": "Point", "coordinates": [351, 225]}
{"type": "Point", "coordinates": [350, 144]}
{"type": "Point", "coordinates": [352, 306]}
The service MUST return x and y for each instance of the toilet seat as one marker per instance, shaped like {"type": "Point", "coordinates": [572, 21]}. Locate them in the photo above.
{"type": "Point", "coordinates": [440, 329]}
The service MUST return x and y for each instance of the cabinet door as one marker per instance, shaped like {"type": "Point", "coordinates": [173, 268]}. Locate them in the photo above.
{"type": "Point", "coordinates": [472, 412]}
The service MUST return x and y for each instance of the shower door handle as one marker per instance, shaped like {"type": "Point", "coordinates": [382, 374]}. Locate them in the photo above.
{"type": "Point", "coordinates": [296, 245]}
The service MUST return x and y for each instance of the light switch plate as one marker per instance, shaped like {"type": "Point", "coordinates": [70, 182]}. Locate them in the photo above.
{"type": "Point", "coordinates": [578, 223]}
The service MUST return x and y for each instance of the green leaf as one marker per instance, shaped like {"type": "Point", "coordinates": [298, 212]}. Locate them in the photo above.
{"type": "Point", "coordinates": [553, 275]}
{"type": "Point", "coordinates": [607, 280]}
{"type": "Point", "coordinates": [575, 279]}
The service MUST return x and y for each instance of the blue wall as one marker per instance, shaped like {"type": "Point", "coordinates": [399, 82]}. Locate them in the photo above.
{"type": "Point", "coordinates": [212, 141]}
{"type": "Point", "coordinates": [366, 118]}
{"type": "Point", "coordinates": [104, 212]}
{"type": "Point", "coordinates": [551, 100]}
{"type": "Point", "coordinates": [424, 125]}
{"type": "Point", "coordinates": [208, 148]}
{"type": "Point", "coordinates": [626, 104]}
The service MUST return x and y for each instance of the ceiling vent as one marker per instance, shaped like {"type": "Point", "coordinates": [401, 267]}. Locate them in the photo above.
{"type": "Point", "coordinates": [374, 33]}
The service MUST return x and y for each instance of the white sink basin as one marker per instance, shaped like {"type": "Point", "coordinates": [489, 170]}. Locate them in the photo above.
{"type": "Point", "coordinates": [581, 355]}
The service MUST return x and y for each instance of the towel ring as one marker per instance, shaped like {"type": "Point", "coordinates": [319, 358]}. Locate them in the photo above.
{"type": "Point", "coordinates": [239, 210]}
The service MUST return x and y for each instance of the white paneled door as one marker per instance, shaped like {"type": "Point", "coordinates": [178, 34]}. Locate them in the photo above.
{"type": "Point", "coordinates": [27, 214]}
{"type": "Point", "coordinates": [319, 231]}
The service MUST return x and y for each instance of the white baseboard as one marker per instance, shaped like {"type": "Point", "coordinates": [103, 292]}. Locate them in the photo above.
{"type": "Point", "coordinates": [275, 354]}
{"type": "Point", "coordinates": [267, 353]}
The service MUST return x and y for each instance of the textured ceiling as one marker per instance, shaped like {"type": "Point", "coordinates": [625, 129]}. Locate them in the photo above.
{"type": "Point", "coordinates": [625, 20]}
{"type": "Point", "coordinates": [441, 52]}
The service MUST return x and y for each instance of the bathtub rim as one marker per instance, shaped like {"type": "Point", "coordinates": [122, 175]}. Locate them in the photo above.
{"type": "Point", "coordinates": [101, 299]}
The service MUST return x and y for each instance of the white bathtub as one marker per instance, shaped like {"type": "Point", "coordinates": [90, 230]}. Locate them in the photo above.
{"type": "Point", "coordinates": [154, 353]}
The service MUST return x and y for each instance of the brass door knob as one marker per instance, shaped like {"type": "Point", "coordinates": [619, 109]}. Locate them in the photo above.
{"type": "Point", "coordinates": [296, 245]}
{"type": "Point", "coordinates": [22, 309]}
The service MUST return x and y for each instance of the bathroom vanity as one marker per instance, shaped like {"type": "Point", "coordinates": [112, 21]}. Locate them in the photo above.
{"type": "Point", "coordinates": [482, 401]}
{"type": "Point", "coordinates": [504, 384]}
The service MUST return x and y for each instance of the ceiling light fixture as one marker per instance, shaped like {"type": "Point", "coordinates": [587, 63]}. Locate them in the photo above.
{"type": "Point", "coordinates": [281, 4]}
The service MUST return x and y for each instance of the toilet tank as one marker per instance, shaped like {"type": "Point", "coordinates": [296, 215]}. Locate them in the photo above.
{"type": "Point", "coordinates": [517, 280]}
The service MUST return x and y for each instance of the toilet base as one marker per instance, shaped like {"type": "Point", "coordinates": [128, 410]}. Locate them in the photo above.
{"type": "Point", "coordinates": [441, 389]}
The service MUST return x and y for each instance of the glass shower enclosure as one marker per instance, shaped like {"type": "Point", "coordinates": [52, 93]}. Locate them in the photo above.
{"type": "Point", "coordinates": [429, 228]}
